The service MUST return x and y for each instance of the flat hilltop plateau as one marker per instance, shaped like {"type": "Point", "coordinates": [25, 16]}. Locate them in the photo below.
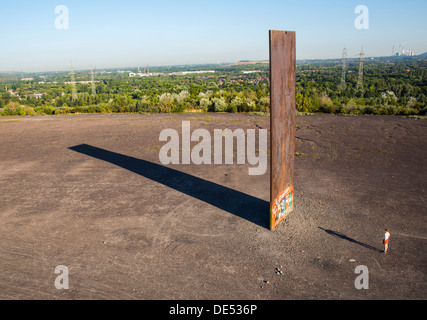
{"type": "Point", "coordinates": [88, 192]}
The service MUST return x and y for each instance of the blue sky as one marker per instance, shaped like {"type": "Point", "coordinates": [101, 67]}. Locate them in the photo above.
{"type": "Point", "coordinates": [130, 33]}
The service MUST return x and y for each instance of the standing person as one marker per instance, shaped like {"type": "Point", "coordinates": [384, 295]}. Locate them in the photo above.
{"type": "Point", "coordinates": [385, 240]}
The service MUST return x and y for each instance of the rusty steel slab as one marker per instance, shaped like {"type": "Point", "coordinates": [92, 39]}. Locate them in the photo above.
{"type": "Point", "coordinates": [282, 124]}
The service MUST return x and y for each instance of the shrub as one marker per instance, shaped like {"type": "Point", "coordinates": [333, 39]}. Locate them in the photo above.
{"type": "Point", "coordinates": [232, 108]}
{"type": "Point", "coordinates": [165, 108]}
{"type": "Point", "coordinates": [236, 104]}
{"type": "Point", "coordinates": [144, 106]}
{"type": "Point", "coordinates": [178, 107]}
{"type": "Point", "coordinates": [45, 110]}
{"type": "Point", "coordinates": [220, 105]}
{"type": "Point", "coordinates": [324, 109]}
{"type": "Point", "coordinates": [205, 103]}
{"type": "Point", "coordinates": [250, 106]}
{"type": "Point", "coordinates": [368, 110]}
{"type": "Point", "coordinates": [13, 109]}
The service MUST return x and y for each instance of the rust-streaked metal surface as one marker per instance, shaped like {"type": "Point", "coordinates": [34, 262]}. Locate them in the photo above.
{"type": "Point", "coordinates": [282, 123]}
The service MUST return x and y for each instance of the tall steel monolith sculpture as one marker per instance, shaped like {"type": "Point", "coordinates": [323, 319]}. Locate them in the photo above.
{"type": "Point", "coordinates": [282, 124]}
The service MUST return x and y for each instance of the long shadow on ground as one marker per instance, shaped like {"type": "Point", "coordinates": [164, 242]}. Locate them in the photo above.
{"type": "Point", "coordinates": [232, 201]}
{"type": "Point", "coordinates": [342, 236]}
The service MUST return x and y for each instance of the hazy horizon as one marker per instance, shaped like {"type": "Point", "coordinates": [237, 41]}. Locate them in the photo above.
{"type": "Point", "coordinates": [110, 34]}
{"type": "Point", "coordinates": [129, 67]}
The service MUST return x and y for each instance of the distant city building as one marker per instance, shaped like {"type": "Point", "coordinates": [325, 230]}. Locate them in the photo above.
{"type": "Point", "coordinates": [147, 73]}
{"type": "Point", "coordinates": [192, 72]}
{"type": "Point", "coordinates": [81, 82]}
{"type": "Point", "coordinates": [13, 93]}
{"type": "Point", "coordinates": [402, 52]}
{"type": "Point", "coordinates": [251, 71]}
{"type": "Point", "coordinates": [140, 74]}
{"type": "Point", "coordinates": [36, 95]}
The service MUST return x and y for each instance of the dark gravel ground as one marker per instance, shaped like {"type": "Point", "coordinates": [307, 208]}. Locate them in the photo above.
{"type": "Point", "coordinates": [89, 192]}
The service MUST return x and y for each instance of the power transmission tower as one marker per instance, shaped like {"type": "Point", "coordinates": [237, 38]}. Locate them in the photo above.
{"type": "Point", "coordinates": [359, 86]}
{"type": "Point", "coordinates": [93, 83]}
{"type": "Point", "coordinates": [342, 86]}
{"type": "Point", "coordinates": [73, 85]}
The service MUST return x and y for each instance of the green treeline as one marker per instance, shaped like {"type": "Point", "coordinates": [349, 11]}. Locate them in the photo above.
{"type": "Point", "coordinates": [390, 86]}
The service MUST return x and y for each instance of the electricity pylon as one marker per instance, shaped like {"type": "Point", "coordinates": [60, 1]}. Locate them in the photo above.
{"type": "Point", "coordinates": [93, 83]}
{"type": "Point", "coordinates": [342, 86]}
{"type": "Point", "coordinates": [359, 86]}
{"type": "Point", "coordinates": [73, 85]}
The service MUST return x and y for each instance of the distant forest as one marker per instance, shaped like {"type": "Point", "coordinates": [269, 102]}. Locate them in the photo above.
{"type": "Point", "coordinates": [391, 86]}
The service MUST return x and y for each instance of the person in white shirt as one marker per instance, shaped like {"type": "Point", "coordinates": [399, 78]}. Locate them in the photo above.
{"type": "Point", "coordinates": [385, 240]}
